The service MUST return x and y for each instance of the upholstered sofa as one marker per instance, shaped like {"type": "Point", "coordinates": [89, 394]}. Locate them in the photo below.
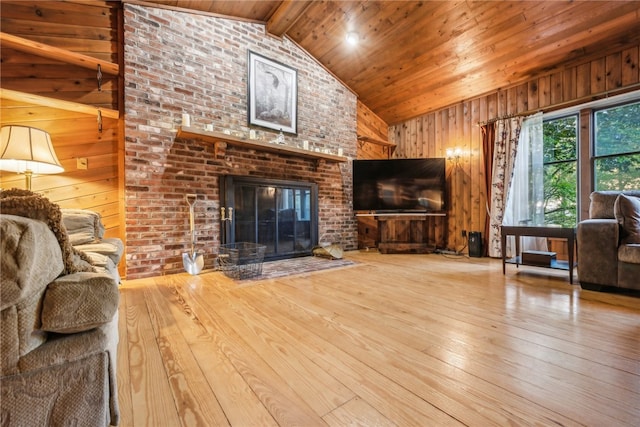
{"type": "Point", "coordinates": [58, 320]}
{"type": "Point", "coordinates": [86, 234]}
{"type": "Point", "coordinates": [609, 241]}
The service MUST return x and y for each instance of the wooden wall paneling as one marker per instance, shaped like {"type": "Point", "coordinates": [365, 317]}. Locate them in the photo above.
{"type": "Point", "coordinates": [369, 124]}
{"type": "Point", "coordinates": [484, 108]}
{"type": "Point", "coordinates": [438, 132]}
{"type": "Point", "coordinates": [61, 81]}
{"type": "Point", "coordinates": [456, 194]}
{"type": "Point", "coordinates": [434, 143]}
{"type": "Point", "coordinates": [464, 135]}
{"type": "Point", "coordinates": [78, 181]}
{"type": "Point", "coordinates": [502, 103]}
{"type": "Point", "coordinates": [569, 84]}
{"type": "Point", "coordinates": [458, 128]}
{"type": "Point", "coordinates": [534, 98]}
{"type": "Point", "coordinates": [400, 141]}
{"type": "Point", "coordinates": [630, 66]}
{"type": "Point", "coordinates": [556, 88]}
{"type": "Point", "coordinates": [412, 139]}
{"type": "Point", "coordinates": [512, 100]}
{"type": "Point", "coordinates": [85, 195]}
{"type": "Point", "coordinates": [395, 131]}
{"type": "Point", "coordinates": [613, 64]}
{"type": "Point", "coordinates": [523, 97]}
{"type": "Point", "coordinates": [448, 139]}
{"type": "Point", "coordinates": [583, 80]}
{"type": "Point", "coordinates": [476, 174]}
{"type": "Point", "coordinates": [429, 141]}
{"type": "Point", "coordinates": [34, 114]}
{"type": "Point", "coordinates": [401, 149]}
{"type": "Point", "coordinates": [598, 76]}
{"type": "Point", "coordinates": [418, 145]}
{"type": "Point", "coordinates": [492, 106]}
{"type": "Point", "coordinates": [52, 13]}
{"type": "Point", "coordinates": [403, 141]}
{"type": "Point", "coordinates": [544, 91]}
{"type": "Point", "coordinates": [483, 117]}
{"type": "Point", "coordinates": [416, 142]}
{"type": "Point", "coordinates": [422, 131]}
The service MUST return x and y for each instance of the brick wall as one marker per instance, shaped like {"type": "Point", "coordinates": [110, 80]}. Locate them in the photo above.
{"type": "Point", "coordinates": [185, 63]}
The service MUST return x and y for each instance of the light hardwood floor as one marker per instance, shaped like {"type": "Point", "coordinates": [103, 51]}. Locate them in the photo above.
{"type": "Point", "coordinates": [395, 340]}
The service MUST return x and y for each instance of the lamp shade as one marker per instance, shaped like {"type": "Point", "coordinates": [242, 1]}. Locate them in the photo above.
{"type": "Point", "coordinates": [26, 149]}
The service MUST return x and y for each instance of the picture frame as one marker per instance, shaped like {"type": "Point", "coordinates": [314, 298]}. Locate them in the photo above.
{"type": "Point", "coordinates": [272, 94]}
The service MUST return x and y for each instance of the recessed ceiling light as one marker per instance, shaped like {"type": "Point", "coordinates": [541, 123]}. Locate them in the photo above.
{"type": "Point", "coordinates": [353, 38]}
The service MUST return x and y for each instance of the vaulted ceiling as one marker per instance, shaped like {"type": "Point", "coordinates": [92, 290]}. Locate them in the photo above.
{"type": "Point", "coordinates": [419, 56]}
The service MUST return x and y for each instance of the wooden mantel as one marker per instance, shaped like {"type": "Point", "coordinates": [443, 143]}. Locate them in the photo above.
{"type": "Point", "coordinates": [217, 137]}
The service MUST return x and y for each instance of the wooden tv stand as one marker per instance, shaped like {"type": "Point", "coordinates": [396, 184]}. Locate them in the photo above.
{"type": "Point", "coordinates": [405, 232]}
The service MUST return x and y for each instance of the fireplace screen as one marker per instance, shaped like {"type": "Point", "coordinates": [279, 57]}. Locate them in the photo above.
{"type": "Point", "coordinates": [282, 215]}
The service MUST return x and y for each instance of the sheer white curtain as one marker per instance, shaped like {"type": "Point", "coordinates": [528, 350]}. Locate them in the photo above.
{"type": "Point", "coordinates": [525, 201]}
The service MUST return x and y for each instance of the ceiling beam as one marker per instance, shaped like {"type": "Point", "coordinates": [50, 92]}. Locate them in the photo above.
{"type": "Point", "coordinates": [285, 16]}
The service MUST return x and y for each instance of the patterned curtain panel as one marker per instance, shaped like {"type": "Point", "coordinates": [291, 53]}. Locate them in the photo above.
{"type": "Point", "coordinates": [504, 154]}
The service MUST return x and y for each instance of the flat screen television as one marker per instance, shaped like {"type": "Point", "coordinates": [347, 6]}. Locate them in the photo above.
{"type": "Point", "coordinates": [400, 185]}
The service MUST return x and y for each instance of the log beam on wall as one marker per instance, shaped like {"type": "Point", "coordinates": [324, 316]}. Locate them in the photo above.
{"type": "Point", "coordinates": [52, 52]}
{"type": "Point", "coordinates": [44, 101]}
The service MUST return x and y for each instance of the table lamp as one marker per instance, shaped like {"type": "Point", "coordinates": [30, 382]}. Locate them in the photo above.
{"type": "Point", "coordinates": [27, 150]}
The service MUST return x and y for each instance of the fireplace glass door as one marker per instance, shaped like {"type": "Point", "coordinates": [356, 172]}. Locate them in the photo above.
{"type": "Point", "coordinates": [282, 215]}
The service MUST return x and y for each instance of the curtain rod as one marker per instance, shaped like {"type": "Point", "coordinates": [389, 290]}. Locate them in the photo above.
{"type": "Point", "coordinates": [508, 116]}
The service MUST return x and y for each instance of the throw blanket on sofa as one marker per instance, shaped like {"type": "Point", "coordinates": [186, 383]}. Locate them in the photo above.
{"type": "Point", "coordinates": [31, 205]}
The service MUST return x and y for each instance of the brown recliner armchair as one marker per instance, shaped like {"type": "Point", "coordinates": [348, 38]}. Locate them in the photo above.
{"type": "Point", "coordinates": [58, 323]}
{"type": "Point", "coordinates": [607, 255]}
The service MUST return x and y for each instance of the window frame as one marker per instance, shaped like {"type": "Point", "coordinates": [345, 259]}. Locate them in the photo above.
{"type": "Point", "coordinates": [586, 142]}
{"type": "Point", "coordinates": [576, 158]}
{"type": "Point", "coordinates": [593, 156]}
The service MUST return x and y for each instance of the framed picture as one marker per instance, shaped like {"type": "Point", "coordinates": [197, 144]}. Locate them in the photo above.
{"type": "Point", "coordinates": [273, 94]}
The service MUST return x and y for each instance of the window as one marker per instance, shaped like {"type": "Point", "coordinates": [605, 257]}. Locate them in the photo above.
{"type": "Point", "coordinates": [609, 159]}
{"type": "Point", "coordinates": [560, 171]}
{"type": "Point", "coordinates": [616, 162]}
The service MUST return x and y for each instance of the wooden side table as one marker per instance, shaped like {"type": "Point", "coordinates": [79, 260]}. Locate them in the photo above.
{"type": "Point", "coordinates": [558, 232]}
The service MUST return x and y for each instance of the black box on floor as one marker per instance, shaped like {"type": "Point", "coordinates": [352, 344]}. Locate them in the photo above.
{"type": "Point", "coordinates": [541, 258]}
{"type": "Point", "coordinates": [475, 244]}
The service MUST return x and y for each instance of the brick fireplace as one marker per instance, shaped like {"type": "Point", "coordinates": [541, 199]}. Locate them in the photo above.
{"type": "Point", "coordinates": [179, 63]}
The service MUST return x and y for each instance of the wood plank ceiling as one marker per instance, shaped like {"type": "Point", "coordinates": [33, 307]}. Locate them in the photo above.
{"type": "Point", "coordinates": [419, 56]}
